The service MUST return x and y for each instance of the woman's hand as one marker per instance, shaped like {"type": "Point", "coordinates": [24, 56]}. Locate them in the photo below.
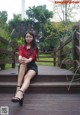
{"type": "Point", "coordinates": [25, 60]}
{"type": "Point", "coordinates": [20, 59]}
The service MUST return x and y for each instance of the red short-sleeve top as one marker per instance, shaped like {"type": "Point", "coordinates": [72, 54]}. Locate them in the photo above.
{"type": "Point", "coordinates": [24, 52]}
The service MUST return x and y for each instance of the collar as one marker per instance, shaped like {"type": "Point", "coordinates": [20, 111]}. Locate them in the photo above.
{"type": "Point", "coordinates": [25, 47]}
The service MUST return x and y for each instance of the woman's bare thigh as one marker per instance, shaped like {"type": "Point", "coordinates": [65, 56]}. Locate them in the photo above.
{"type": "Point", "coordinates": [30, 74]}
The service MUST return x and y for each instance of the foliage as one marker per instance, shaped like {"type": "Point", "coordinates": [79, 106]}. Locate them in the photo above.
{"type": "Point", "coordinates": [3, 19]}
{"type": "Point", "coordinates": [44, 46]}
{"type": "Point", "coordinates": [54, 33]}
{"type": "Point", "coordinates": [48, 33]}
{"type": "Point", "coordinates": [39, 14]}
{"type": "Point", "coordinates": [15, 26]}
{"type": "Point", "coordinates": [67, 12]}
{"type": "Point", "coordinates": [45, 59]}
{"type": "Point", "coordinates": [3, 25]}
{"type": "Point", "coordinates": [4, 33]}
{"type": "Point", "coordinates": [37, 18]}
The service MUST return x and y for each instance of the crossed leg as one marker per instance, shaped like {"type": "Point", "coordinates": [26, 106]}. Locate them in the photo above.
{"type": "Point", "coordinates": [27, 78]}
{"type": "Point", "coordinates": [21, 73]}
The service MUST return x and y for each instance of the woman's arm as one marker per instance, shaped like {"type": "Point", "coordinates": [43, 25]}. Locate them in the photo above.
{"type": "Point", "coordinates": [20, 54]}
{"type": "Point", "coordinates": [25, 60]}
{"type": "Point", "coordinates": [33, 55]}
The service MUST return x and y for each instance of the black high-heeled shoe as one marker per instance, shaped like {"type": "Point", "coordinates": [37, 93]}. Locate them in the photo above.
{"type": "Point", "coordinates": [18, 100]}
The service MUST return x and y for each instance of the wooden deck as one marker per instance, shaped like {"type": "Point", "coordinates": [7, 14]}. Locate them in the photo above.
{"type": "Point", "coordinates": [43, 104]}
{"type": "Point", "coordinates": [42, 70]}
{"type": "Point", "coordinates": [49, 80]}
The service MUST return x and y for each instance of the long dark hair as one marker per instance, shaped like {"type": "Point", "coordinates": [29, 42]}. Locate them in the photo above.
{"type": "Point", "coordinates": [33, 43]}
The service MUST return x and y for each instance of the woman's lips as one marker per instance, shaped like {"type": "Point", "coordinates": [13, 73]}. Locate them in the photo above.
{"type": "Point", "coordinates": [28, 40]}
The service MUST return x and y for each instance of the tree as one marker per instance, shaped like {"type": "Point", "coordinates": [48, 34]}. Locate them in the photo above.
{"type": "Point", "coordinates": [3, 19]}
{"type": "Point", "coordinates": [3, 25]}
{"type": "Point", "coordinates": [51, 32]}
{"type": "Point", "coordinates": [40, 16]}
{"type": "Point", "coordinates": [17, 26]}
{"type": "Point", "coordinates": [66, 10]}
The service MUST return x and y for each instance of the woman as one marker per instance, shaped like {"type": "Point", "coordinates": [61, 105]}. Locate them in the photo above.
{"type": "Point", "coordinates": [28, 69]}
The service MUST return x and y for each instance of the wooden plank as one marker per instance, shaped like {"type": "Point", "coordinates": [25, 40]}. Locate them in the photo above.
{"type": "Point", "coordinates": [39, 78]}
{"type": "Point", "coordinates": [5, 51]}
{"type": "Point", "coordinates": [43, 84]}
{"type": "Point", "coordinates": [78, 50]}
{"type": "Point", "coordinates": [43, 87]}
{"type": "Point", "coordinates": [43, 104]}
{"type": "Point", "coordinates": [42, 70]}
{"type": "Point", "coordinates": [6, 61]}
{"type": "Point", "coordinates": [78, 33]}
{"type": "Point", "coordinates": [65, 43]}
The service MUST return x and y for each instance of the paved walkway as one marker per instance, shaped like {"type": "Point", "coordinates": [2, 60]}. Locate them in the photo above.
{"type": "Point", "coordinates": [43, 70]}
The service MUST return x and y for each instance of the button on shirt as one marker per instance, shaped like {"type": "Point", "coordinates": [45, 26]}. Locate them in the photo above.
{"type": "Point", "coordinates": [24, 52]}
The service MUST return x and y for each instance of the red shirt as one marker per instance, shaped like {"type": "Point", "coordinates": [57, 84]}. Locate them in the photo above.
{"type": "Point", "coordinates": [23, 51]}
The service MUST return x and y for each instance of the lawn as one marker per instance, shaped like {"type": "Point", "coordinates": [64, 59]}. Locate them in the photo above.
{"type": "Point", "coordinates": [45, 59]}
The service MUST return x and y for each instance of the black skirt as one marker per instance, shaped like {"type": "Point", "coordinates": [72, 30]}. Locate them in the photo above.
{"type": "Point", "coordinates": [31, 66]}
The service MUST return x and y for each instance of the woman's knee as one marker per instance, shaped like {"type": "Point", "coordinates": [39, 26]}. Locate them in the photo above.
{"type": "Point", "coordinates": [22, 65]}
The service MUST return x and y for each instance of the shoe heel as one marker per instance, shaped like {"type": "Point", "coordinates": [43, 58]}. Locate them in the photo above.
{"type": "Point", "coordinates": [21, 102]}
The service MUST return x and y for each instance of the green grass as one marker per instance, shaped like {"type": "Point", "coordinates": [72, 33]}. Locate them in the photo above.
{"type": "Point", "coordinates": [7, 66]}
{"type": "Point", "coordinates": [44, 54]}
{"type": "Point", "coordinates": [44, 63]}
{"type": "Point", "coordinates": [45, 59]}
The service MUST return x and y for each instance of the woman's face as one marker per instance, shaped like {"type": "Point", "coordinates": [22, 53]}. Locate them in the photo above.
{"type": "Point", "coordinates": [28, 38]}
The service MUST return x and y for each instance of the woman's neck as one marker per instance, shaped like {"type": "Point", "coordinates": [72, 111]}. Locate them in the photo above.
{"type": "Point", "coordinates": [28, 46]}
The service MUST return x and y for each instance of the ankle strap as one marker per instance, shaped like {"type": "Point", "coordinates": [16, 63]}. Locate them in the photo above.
{"type": "Point", "coordinates": [21, 91]}
{"type": "Point", "coordinates": [18, 86]}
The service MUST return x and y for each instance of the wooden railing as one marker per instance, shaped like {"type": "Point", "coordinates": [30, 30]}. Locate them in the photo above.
{"type": "Point", "coordinates": [58, 55]}
{"type": "Point", "coordinates": [76, 48]}
{"type": "Point", "coordinates": [6, 56]}
{"type": "Point", "coordinates": [45, 57]}
{"type": "Point", "coordinates": [74, 51]}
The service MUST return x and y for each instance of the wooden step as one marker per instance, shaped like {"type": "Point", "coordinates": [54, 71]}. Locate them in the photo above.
{"type": "Point", "coordinates": [42, 87]}
{"type": "Point", "coordinates": [39, 78]}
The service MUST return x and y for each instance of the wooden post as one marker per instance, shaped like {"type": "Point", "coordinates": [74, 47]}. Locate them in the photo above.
{"type": "Point", "coordinates": [61, 56]}
{"type": "Point", "coordinates": [14, 47]}
{"type": "Point", "coordinates": [60, 53]}
{"type": "Point", "coordinates": [13, 59]}
{"type": "Point", "coordinates": [54, 57]}
{"type": "Point", "coordinates": [75, 43]}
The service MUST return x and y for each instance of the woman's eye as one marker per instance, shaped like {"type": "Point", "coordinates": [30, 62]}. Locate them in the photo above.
{"type": "Point", "coordinates": [28, 36]}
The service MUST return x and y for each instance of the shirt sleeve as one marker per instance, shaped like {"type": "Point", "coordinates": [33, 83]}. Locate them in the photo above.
{"type": "Point", "coordinates": [33, 55]}
{"type": "Point", "coordinates": [20, 50]}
